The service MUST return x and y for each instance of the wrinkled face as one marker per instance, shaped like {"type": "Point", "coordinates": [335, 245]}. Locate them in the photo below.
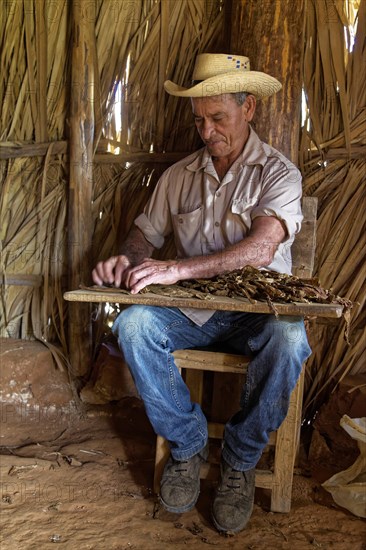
{"type": "Point", "coordinates": [223, 124]}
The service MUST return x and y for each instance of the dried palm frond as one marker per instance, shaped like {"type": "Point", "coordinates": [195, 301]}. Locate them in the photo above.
{"type": "Point", "coordinates": [332, 158]}
{"type": "Point", "coordinates": [137, 45]}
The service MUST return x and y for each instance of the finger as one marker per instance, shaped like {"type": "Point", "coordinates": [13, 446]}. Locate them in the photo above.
{"type": "Point", "coordinates": [142, 272]}
{"type": "Point", "coordinates": [140, 278]}
{"type": "Point", "coordinates": [119, 272]}
{"type": "Point", "coordinates": [141, 283]}
{"type": "Point", "coordinates": [98, 273]}
{"type": "Point", "coordinates": [135, 274]}
{"type": "Point", "coordinates": [108, 270]}
{"type": "Point", "coordinates": [103, 271]}
{"type": "Point", "coordinates": [96, 278]}
{"type": "Point", "coordinates": [126, 277]}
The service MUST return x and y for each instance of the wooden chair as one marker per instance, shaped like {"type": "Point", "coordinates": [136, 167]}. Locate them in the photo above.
{"type": "Point", "coordinates": [195, 363]}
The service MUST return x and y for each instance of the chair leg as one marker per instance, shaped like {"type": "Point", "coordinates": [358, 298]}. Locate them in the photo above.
{"type": "Point", "coordinates": [287, 442]}
{"type": "Point", "coordinates": [194, 381]}
{"type": "Point", "coordinates": [161, 456]}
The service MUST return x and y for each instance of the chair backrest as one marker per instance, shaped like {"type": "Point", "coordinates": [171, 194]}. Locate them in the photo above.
{"type": "Point", "coordinates": [303, 248]}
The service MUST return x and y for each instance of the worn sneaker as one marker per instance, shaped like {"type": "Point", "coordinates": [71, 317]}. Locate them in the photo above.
{"type": "Point", "coordinates": [233, 503]}
{"type": "Point", "coordinates": [180, 483]}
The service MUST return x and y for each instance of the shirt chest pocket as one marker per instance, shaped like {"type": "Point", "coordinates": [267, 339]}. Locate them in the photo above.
{"type": "Point", "coordinates": [188, 231]}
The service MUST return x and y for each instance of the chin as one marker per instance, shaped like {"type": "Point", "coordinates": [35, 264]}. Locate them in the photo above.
{"type": "Point", "coordinates": [216, 151]}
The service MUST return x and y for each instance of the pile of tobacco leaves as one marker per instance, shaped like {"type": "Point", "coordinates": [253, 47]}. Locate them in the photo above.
{"type": "Point", "coordinates": [253, 284]}
{"type": "Point", "coordinates": [256, 285]}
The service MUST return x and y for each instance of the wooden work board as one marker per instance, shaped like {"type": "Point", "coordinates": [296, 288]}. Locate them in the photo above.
{"type": "Point", "coordinates": [222, 303]}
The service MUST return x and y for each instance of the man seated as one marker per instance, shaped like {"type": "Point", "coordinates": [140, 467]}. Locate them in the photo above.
{"type": "Point", "coordinates": [233, 203]}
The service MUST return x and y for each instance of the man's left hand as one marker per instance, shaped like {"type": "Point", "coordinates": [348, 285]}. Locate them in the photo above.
{"type": "Point", "coordinates": [151, 272]}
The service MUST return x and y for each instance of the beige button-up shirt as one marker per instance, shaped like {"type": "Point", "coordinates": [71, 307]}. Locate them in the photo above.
{"type": "Point", "coordinates": [206, 215]}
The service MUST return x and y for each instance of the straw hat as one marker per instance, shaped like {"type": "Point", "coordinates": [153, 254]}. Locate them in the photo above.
{"type": "Point", "coordinates": [219, 73]}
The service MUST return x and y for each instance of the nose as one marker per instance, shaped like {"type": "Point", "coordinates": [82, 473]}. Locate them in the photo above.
{"type": "Point", "coordinates": [206, 128]}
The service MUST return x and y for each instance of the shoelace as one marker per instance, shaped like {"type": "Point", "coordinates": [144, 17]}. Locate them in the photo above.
{"type": "Point", "coordinates": [179, 468]}
{"type": "Point", "coordinates": [234, 479]}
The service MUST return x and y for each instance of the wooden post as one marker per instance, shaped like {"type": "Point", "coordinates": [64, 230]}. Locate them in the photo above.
{"type": "Point", "coordinates": [270, 33]}
{"type": "Point", "coordinates": [81, 177]}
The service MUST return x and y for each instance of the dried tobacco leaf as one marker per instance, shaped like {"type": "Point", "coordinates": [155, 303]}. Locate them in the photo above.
{"type": "Point", "coordinates": [271, 287]}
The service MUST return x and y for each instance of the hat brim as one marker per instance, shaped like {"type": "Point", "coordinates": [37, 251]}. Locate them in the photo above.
{"type": "Point", "coordinates": [252, 82]}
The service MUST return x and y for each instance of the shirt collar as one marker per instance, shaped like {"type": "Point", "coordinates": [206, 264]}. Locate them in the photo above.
{"type": "Point", "coordinates": [253, 153]}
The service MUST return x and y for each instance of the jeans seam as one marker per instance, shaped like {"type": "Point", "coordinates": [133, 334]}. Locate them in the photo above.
{"type": "Point", "coordinates": [202, 432]}
{"type": "Point", "coordinates": [173, 385]}
{"type": "Point", "coordinates": [172, 377]}
{"type": "Point", "coordinates": [174, 324]}
{"type": "Point", "coordinates": [163, 343]}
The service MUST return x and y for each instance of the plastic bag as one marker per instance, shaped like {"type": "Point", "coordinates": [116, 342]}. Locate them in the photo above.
{"type": "Point", "coordinates": [348, 488]}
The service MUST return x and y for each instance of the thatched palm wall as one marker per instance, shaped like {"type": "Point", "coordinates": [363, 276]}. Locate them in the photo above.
{"type": "Point", "coordinates": [332, 160]}
{"type": "Point", "coordinates": [137, 45]}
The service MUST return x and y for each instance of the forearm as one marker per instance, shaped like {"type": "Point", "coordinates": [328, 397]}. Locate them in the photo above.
{"type": "Point", "coordinates": [257, 250]}
{"type": "Point", "coordinates": [247, 252]}
{"type": "Point", "coordinates": [135, 247]}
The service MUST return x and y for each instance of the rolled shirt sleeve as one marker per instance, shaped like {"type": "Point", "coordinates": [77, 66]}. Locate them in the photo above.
{"type": "Point", "coordinates": [149, 231]}
{"type": "Point", "coordinates": [155, 221]}
{"type": "Point", "coordinates": [281, 194]}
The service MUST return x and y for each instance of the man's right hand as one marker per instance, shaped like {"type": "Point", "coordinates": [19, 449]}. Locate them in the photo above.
{"type": "Point", "coordinates": [112, 271]}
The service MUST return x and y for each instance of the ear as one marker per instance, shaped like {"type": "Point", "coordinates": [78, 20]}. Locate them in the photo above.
{"type": "Point", "coordinates": [249, 106]}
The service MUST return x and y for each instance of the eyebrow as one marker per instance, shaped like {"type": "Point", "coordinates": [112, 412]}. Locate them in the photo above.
{"type": "Point", "coordinates": [211, 115]}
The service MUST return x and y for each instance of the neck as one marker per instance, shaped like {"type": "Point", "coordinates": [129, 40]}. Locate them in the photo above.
{"type": "Point", "coordinates": [222, 165]}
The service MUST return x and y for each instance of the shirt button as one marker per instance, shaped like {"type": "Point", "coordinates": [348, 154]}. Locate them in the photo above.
{"type": "Point", "coordinates": [217, 224]}
{"type": "Point", "coordinates": [218, 194]}
{"type": "Point", "coordinates": [180, 220]}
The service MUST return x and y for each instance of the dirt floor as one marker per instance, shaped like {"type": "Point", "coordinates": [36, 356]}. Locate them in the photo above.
{"type": "Point", "coordinates": [88, 485]}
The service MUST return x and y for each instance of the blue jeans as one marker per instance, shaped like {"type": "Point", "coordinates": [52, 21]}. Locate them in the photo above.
{"type": "Point", "coordinates": [148, 335]}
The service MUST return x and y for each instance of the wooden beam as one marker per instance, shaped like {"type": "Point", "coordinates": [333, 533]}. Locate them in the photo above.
{"type": "Point", "coordinates": [109, 158]}
{"type": "Point", "coordinates": [13, 150]}
{"type": "Point", "coordinates": [20, 279]}
{"type": "Point", "coordinates": [81, 178]}
{"type": "Point", "coordinates": [270, 33]}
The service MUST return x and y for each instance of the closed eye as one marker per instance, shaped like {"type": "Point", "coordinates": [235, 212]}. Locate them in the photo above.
{"type": "Point", "coordinates": [214, 119]}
